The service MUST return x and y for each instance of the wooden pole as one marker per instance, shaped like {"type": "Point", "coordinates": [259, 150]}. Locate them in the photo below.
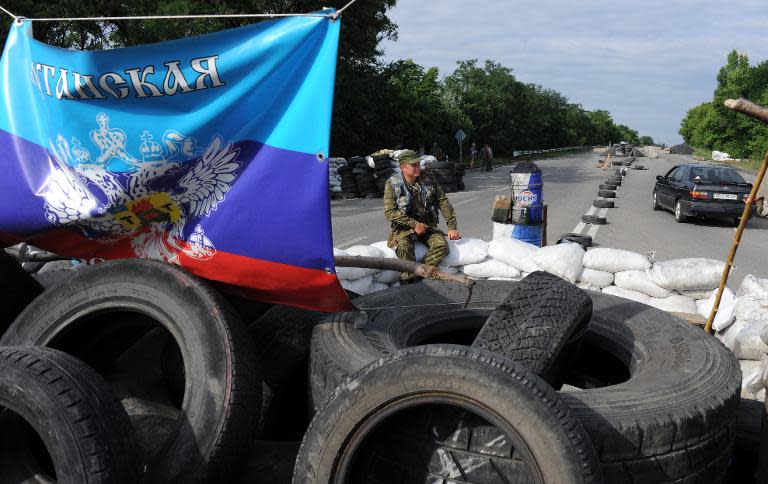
{"type": "Point", "coordinates": [760, 113]}
{"type": "Point", "coordinates": [399, 265]}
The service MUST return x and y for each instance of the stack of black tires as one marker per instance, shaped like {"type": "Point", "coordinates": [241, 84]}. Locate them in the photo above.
{"type": "Point", "coordinates": [446, 174]}
{"type": "Point", "coordinates": [136, 371]}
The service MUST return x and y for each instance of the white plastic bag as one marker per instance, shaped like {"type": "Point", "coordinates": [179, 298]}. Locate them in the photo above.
{"type": "Point", "coordinates": [675, 304]}
{"type": "Point", "coordinates": [465, 251]}
{"type": "Point", "coordinates": [615, 260]}
{"type": "Point", "coordinates": [752, 286]}
{"type": "Point", "coordinates": [748, 345]}
{"type": "Point", "coordinates": [749, 308]}
{"type": "Point", "coordinates": [729, 334]}
{"type": "Point", "coordinates": [687, 274]}
{"type": "Point", "coordinates": [514, 252]}
{"type": "Point", "coordinates": [596, 278]}
{"type": "Point", "coordinates": [639, 281]}
{"type": "Point", "coordinates": [491, 268]}
{"type": "Point", "coordinates": [725, 311]}
{"type": "Point", "coordinates": [627, 294]}
{"type": "Point", "coordinates": [562, 260]}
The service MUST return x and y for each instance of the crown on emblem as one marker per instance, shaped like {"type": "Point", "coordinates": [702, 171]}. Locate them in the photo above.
{"type": "Point", "coordinates": [81, 154]}
{"type": "Point", "coordinates": [150, 150]}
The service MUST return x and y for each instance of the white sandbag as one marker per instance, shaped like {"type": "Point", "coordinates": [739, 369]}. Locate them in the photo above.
{"type": "Point", "coordinates": [562, 260]}
{"type": "Point", "coordinates": [466, 251]}
{"type": "Point", "coordinates": [596, 278]}
{"type": "Point", "coordinates": [387, 277]}
{"type": "Point", "coordinates": [764, 335]}
{"type": "Point", "coordinates": [725, 310]}
{"type": "Point", "coordinates": [339, 252]}
{"type": "Point", "coordinates": [420, 250]}
{"type": "Point", "coordinates": [352, 273]}
{"type": "Point", "coordinates": [675, 304]}
{"type": "Point", "coordinates": [615, 260]}
{"type": "Point", "coordinates": [426, 159]}
{"type": "Point", "coordinates": [508, 279]}
{"type": "Point", "coordinates": [698, 294]}
{"type": "Point", "coordinates": [687, 274]}
{"type": "Point", "coordinates": [448, 269]}
{"type": "Point", "coordinates": [388, 252]}
{"type": "Point", "coordinates": [752, 372]}
{"type": "Point", "coordinates": [358, 286]}
{"type": "Point", "coordinates": [752, 286]}
{"type": "Point", "coordinates": [627, 294]}
{"type": "Point", "coordinates": [377, 286]}
{"type": "Point", "coordinates": [748, 345]}
{"type": "Point", "coordinates": [639, 281]}
{"type": "Point", "coordinates": [729, 334]}
{"type": "Point", "coordinates": [749, 308]}
{"type": "Point", "coordinates": [491, 268]}
{"type": "Point", "coordinates": [588, 287]}
{"type": "Point", "coordinates": [514, 252]}
{"type": "Point", "coordinates": [365, 251]}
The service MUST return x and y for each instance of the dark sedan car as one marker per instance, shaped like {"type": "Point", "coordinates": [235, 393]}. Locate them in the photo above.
{"type": "Point", "coordinates": [701, 189]}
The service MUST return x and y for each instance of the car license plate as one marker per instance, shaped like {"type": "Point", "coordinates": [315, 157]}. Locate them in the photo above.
{"type": "Point", "coordinates": [726, 196]}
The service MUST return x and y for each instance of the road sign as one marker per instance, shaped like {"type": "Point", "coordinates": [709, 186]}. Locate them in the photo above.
{"type": "Point", "coordinates": [460, 135]}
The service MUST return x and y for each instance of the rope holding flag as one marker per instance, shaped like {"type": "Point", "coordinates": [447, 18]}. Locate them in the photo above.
{"type": "Point", "coordinates": [207, 152]}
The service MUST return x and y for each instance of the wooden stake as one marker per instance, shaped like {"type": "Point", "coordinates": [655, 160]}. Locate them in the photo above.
{"type": "Point", "coordinates": [399, 265]}
{"type": "Point", "coordinates": [760, 113]}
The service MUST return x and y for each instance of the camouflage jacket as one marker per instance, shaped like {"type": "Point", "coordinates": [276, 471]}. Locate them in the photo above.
{"type": "Point", "coordinates": [406, 205]}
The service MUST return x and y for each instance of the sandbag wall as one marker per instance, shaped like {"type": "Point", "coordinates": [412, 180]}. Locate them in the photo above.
{"type": "Point", "coordinates": [676, 286]}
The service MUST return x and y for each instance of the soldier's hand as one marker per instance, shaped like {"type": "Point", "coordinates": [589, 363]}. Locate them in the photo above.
{"type": "Point", "coordinates": [454, 235]}
{"type": "Point", "coordinates": [420, 229]}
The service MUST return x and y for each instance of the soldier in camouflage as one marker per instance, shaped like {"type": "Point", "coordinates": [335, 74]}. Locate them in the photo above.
{"type": "Point", "coordinates": [411, 203]}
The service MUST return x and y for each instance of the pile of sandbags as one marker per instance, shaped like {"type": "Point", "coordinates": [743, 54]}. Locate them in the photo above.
{"type": "Point", "coordinates": [334, 179]}
{"type": "Point", "coordinates": [745, 332]}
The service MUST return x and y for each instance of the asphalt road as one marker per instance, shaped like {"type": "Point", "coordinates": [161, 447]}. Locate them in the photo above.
{"type": "Point", "coordinates": [570, 185]}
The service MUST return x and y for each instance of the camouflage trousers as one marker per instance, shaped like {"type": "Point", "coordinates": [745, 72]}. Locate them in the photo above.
{"type": "Point", "coordinates": [403, 241]}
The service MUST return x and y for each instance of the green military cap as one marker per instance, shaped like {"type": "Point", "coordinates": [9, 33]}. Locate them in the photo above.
{"type": "Point", "coordinates": [409, 157]}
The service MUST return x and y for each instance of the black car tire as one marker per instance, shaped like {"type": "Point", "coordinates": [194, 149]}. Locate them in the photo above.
{"type": "Point", "coordinates": [584, 240]}
{"type": "Point", "coordinates": [656, 205]}
{"type": "Point", "coordinates": [606, 193]}
{"type": "Point", "coordinates": [61, 422]}
{"type": "Point", "coordinates": [17, 289]}
{"type": "Point", "coordinates": [594, 220]}
{"type": "Point", "coordinates": [126, 308]}
{"type": "Point", "coordinates": [601, 203]}
{"type": "Point", "coordinates": [608, 186]}
{"type": "Point", "coordinates": [281, 339]}
{"type": "Point", "coordinates": [680, 217]}
{"type": "Point", "coordinates": [614, 181]}
{"type": "Point", "coordinates": [356, 436]}
{"type": "Point", "coordinates": [535, 321]}
{"type": "Point", "coordinates": [668, 415]}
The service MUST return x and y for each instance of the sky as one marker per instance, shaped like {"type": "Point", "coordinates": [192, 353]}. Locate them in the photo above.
{"type": "Point", "coordinates": [646, 62]}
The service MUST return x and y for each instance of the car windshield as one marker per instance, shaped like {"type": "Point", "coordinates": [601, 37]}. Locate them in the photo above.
{"type": "Point", "coordinates": [716, 174]}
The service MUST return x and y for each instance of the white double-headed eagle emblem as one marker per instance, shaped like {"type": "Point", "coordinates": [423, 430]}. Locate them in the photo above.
{"type": "Point", "coordinates": [151, 198]}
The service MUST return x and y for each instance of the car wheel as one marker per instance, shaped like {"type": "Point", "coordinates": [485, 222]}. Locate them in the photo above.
{"type": "Point", "coordinates": [679, 215]}
{"type": "Point", "coordinates": [656, 205]}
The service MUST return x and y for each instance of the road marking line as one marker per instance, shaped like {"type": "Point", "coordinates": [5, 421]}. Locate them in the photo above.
{"type": "Point", "coordinates": [349, 243]}
{"type": "Point", "coordinates": [501, 189]}
{"type": "Point", "coordinates": [579, 228]}
{"type": "Point", "coordinates": [464, 201]}
{"type": "Point", "coordinates": [593, 231]}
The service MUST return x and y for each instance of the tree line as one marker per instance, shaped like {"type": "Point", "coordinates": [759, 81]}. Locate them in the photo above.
{"type": "Point", "coordinates": [712, 126]}
{"type": "Point", "coordinates": [377, 103]}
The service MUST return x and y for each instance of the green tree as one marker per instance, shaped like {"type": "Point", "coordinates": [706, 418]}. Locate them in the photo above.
{"type": "Point", "coordinates": [646, 141]}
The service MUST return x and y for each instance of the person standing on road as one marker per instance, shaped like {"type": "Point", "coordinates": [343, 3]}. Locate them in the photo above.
{"type": "Point", "coordinates": [486, 156]}
{"type": "Point", "coordinates": [437, 152]}
{"type": "Point", "coordinates": [412, 200]}
{"type": "Point", "coordinates": [472, 156]}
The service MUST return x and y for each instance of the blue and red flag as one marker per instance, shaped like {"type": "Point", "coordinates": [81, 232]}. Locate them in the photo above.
{"type": "Point", "coordinates": [207, 152]}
